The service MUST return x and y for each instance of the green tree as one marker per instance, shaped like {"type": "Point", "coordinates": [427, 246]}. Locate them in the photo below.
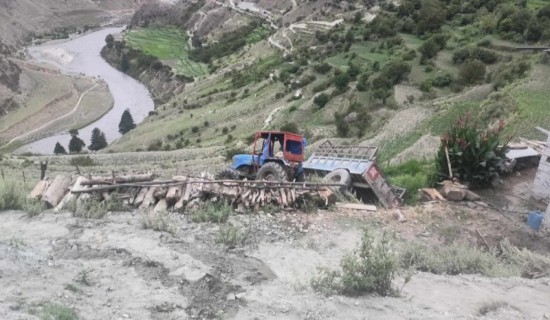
{"type": "Point", "coordinates": [126, 122]}
{"type": "Point", "coordinates": [76, 144]}
{"type": "Point", "coordinates": [109, 40]}
{"type": "Point", "coordinates": [98, 140]}
{"type": "Point", "coordinates": [341, 81]}
{"type": "Point", "coordinates": [431, 16]}
{"type": "Point", "coordinates": [59, 149]}
{"type": "Point", "coordinates": [321, 99]}
{"type": "Point", "coordinates": [124, 63]}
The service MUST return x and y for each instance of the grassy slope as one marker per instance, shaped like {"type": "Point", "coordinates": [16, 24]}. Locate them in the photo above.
{"type": "Point", "coordinates": [169, 45]}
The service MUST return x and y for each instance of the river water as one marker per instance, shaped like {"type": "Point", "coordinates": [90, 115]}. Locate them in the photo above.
{"type": "Point", "coordinates": [82, 56]}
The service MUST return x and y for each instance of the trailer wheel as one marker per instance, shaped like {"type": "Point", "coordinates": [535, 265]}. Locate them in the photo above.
{"type": "Point", "coordinates": [341, 176]}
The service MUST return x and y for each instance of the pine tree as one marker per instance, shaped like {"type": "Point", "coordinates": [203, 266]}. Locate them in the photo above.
{"type": "Point", "coordinates": [76, 144]}
{"type": "Point", "coordinates": [59, 149]}
{"type": "Point", "coordinates": [126, 122]}
{"type": "Point", "coordinates": [98, 140]}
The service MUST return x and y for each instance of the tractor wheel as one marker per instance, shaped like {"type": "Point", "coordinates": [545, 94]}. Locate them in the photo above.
{"type": "Point", "coordinates": [341, 176]}
{"type": "Point", "coordinates": [228, 174]}
{"type": "Point", "coordinates": [272, 171]}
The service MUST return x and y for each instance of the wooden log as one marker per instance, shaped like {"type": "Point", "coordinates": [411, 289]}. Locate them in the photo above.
{"type": "Point", "coordinates": [141, 195]}
{"type": "Point", "coordinates": [328, 196]}
{"type": "Point", "coordinates": [121, 179]}
{"type": "Point", "coordinates": [56, 191]}
{"type": "Point", "coordinates": [453, 191]}
{"type": "Point", "coordinates": [70, 196]}
{"type": "Point", "coordinates": [180, 203]}
{"type": "Point", "coordinates": [162, 205]}
{"type": "Point", "coordinates": [431, 194]}
{"type": "Point", "coordinates": [173, 195]}
{"type": "Point", "coordinates": [160, 193]}
{"type": "Point", "coordinates": [180, 178]}
{"type": "Point", "coordinates": [38, 190]}
{"type": "Point", "coordinates": [149, 199]}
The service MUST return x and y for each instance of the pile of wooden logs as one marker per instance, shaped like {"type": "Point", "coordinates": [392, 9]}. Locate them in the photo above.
{"type": "Point", "coordinates": [180, 192]}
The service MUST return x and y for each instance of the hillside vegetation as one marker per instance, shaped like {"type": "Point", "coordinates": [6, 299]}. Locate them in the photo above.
{"type": "Point", "coordinates": [347, 70]}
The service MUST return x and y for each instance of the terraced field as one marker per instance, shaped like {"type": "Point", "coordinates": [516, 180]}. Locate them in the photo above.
{"type": "Point", "coordinates": [169, 45]}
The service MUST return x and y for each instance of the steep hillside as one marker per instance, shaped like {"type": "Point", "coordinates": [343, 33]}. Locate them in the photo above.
{"type": "Point", "coordinates": [392, 74]}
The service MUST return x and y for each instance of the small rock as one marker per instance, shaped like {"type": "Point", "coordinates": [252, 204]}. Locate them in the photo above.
{"type": "Point", "coordinates": [356, 303]}
{"type": "Point", "coordinates": [240, 295]}
{"type": "Point", "coordinates": [125, 315]}
{"type": "Point", "coordinates": [230, 297]}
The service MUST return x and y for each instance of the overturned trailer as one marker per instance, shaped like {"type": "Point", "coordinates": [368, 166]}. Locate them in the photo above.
{"type": "Point", "coordinates": [355, 167]}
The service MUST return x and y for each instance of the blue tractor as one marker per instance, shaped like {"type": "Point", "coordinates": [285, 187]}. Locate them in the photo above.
{"type": "Point", "coordinates": [276, 156]}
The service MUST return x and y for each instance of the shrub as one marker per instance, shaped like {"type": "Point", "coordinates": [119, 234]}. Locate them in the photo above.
{"type": "Point", "coordinates": [230, 236]}
{"type": "Point", "coordinates": [12, 195]}
{"type": "Point", "coordinates": [411, 175]}
{"type": "Point", "coordinates": [95, 208]}
{"type": "Point", "coordinates": [158, 221]}
{"type": "Point", "coordinates": [322, 68]}
{"type": "Point", "coordinates": [475, 154]}
{"type": "Point", "coordinates": [211, 212]}
{"type": "Point", "coordinates": [289, 127]}
{"type": "Point", "coordinates": [321, 99]}
{"type": "Point", "coordinates": [442, 79]}
{"type": "Point", "coordinates": [57, 312]}
{"type": "Point", "coordinates": [33, 207]}
{"type": "Point", "coordinates": [155, 145]}
{"type": "Point", "coordinates": [472, 72]}
{"type": "Point", "coordinates": [82, 161]}
{"type": "Point", "coordinates": [372, 268]}
{"type": "Point", "coordinates": [195, 129]}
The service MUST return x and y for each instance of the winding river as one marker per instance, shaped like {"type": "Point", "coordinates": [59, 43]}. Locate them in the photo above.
{"type": "Point", "coordinates": [82, 56]}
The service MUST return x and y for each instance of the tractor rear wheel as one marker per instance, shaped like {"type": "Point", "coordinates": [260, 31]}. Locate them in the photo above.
{"type": "Point", "coordinates": [227, 174]}
{"type": "Point", "coordinates": [272, 171]}
{"type": "Point", "coordinates": [341, 176]}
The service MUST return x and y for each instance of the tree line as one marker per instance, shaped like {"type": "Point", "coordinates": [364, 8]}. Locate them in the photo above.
{"type": "Point", "coordinates": [98, 140]}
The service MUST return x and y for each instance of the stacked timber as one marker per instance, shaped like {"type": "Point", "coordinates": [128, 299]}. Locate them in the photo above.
{"type": "Point", "coordinates": [180, 192]}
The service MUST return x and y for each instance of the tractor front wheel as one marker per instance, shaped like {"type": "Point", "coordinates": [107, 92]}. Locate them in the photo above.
{"type": "Point", "coordinates": [272, 171]}
{"type": "Point", "coordinates": [227, 174]}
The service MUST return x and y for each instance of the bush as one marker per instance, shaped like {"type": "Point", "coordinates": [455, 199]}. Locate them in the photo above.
{"type": "Point", "coordinates": [230, 236]}
{"type": "Point", "coordinates": [211, 212]}
{"type": "Point", "coordinates": [411, 175]}
{"type": "Point", "coordinates": [472, 72]}
{"type": "Point", "coordinates": [33, 207]}
{"type": "Point", "coordinates": [321, 99]}
{"type": "Point", "coordinates": [82, 161]}
{"type": "Point", "coordinates": [12, 196]}
{"type": "Point", "coordinates": [94, 208]}
{"type": "Point", "coordinates": [57, 312]}
{"type": "Point", "coordinates": [322, 68]}
{"type": "Point", "coordinates": [158, 221]}
{"type": "Point", "coordinates": [289, 127]}
{"type": "Point", "coordinates": [442, 79]}
{"type": "Point", "coordinates": [372, 268]}
{"type": "Point", "coordinates": [476, 155]}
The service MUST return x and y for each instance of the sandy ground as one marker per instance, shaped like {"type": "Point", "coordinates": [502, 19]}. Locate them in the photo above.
{"type": "Point", "coordinates": [134, 273]}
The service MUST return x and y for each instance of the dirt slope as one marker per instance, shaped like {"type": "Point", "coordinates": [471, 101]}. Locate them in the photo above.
{"type": "Point", "coordinates": [111, 269]}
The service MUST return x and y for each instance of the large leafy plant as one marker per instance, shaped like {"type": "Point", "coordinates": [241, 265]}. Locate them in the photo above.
{"type": "Point", "coordinates": [477, 155]}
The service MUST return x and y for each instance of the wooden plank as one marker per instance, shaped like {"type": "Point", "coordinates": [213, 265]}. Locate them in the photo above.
{"type": "Point", "coordinates": [70, 196]}
{"type": "Point", "coordinates": [162, 205]}
{"type": "Point", "coordinates": [149, 199]}
{"type": "Point", "coordinates": [356, 206]}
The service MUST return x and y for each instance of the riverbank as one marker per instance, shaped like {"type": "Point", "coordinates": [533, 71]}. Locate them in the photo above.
{"type": "Point", "coordinates": [101, 107]}
{"type": "Point", "coordinates": [56, 103]}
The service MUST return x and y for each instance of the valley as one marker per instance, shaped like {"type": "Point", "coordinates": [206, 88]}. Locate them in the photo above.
{"type": "Point", "coordinates": [92, 90]}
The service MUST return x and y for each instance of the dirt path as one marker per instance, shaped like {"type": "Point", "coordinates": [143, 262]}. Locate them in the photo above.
{"type": "Point", "coordinates": [112, 268]}
{"type": "Point", "coordinates": [54, 120]}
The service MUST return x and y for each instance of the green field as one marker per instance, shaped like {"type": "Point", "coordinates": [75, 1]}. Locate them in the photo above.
{"type": "Point", "coordinates": [168, 45]}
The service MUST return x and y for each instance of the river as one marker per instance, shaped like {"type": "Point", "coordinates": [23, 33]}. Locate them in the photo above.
{"type": "Point", "coordinates": [82, 56]}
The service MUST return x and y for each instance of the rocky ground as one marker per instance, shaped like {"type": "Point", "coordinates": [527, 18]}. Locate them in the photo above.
{"type": "Point", "coordinates": [113, 268]}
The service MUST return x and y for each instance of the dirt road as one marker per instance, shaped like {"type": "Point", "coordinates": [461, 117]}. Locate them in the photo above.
{"type": "Point", "coordinates": [114, 269]}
